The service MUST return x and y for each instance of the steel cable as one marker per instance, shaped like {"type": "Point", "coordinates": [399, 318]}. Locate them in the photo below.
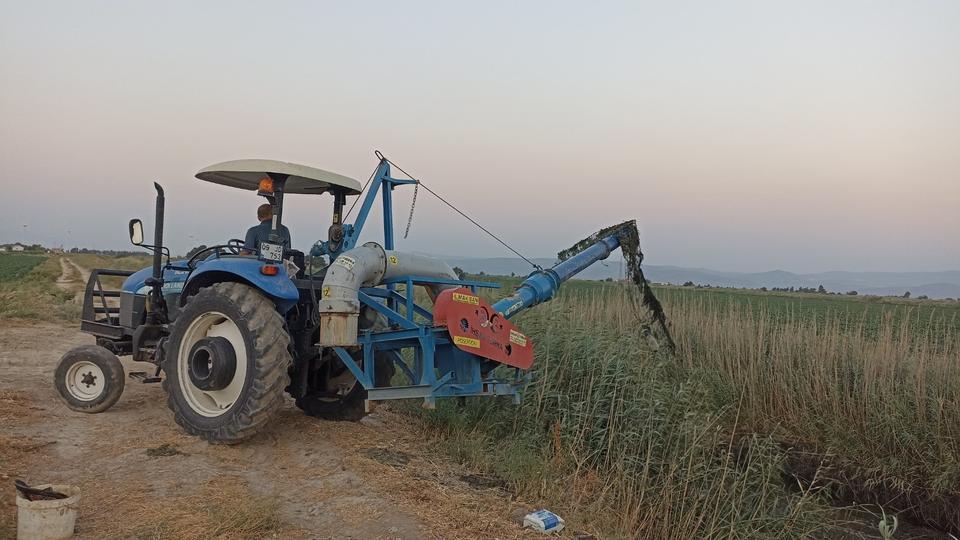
{"type": "Point", "coordinates": [457, 210]}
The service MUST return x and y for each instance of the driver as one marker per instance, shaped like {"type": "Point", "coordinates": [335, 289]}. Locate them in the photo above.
{"type": "Point", "coordinates": [261, 233]}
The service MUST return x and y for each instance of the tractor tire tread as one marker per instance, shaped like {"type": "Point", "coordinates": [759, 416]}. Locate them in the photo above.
{"type": "Point", "coordinates": [271, 361]}
{"type": "Point", "coordinates": [112, 370]}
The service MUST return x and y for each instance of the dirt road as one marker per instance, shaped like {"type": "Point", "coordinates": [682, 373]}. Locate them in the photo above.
{"type": "Point", "coordinates": [301, 478]}
{"type": "Point", "coordinates": [73, 277]}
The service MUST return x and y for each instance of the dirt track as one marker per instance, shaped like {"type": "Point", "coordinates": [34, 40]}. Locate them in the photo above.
{"type": "Point", "coordinates": [73, 277]}
{"type": "Point", "coordinates": [373, 479]}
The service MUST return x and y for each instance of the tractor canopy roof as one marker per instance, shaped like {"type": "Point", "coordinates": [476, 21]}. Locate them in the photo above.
{"type": "Point", "coordinates": [247, 173]}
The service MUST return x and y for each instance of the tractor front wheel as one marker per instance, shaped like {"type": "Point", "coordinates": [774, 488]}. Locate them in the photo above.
{"type": "Point", "coordinates": [226, 363]}
{"type": "Point", "coordinates": [89, 378]}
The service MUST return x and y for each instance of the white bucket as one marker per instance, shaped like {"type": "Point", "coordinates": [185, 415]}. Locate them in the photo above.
{"type": "Point", "coordinates": [48, 520]}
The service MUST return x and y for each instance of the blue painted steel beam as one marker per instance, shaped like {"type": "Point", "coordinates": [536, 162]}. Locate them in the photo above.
{"type": "Point", "coordinates": [401, 181]}
{"type": "Point", "coordinates": [390, 314]}
{"type": "Point", "coordinates": [444, 281]}
{"type": "Point", "coordinates": [542, 285]}
{"type": "Point", "coordinates": [348, 361]}
{"type": "Point", "coordinates": [352, 232]}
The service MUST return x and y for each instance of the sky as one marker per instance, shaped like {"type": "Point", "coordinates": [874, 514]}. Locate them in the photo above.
{"type": "Point", "coordinates": [742, 136]}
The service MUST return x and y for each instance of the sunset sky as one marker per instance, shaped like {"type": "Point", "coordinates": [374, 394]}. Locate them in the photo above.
{"type": "Point", "coordinates": [746, 136]}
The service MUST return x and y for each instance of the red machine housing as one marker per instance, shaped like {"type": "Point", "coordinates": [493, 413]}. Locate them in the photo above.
{"type": "Point", "coordinates": [476, 328]}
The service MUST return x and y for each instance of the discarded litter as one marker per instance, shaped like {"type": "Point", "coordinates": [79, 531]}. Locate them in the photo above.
{"type": "Point", "coordinates": [543, 521]}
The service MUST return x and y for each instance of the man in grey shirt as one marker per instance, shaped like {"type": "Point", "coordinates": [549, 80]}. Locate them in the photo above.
{"type": "Point", "coordinates": [261, 233]}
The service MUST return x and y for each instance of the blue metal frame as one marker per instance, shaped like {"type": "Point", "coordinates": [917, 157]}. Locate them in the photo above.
{"type": "Point", "coordinates": [439, 368]}
{"type": "Point", "coordinates": [381, 183]}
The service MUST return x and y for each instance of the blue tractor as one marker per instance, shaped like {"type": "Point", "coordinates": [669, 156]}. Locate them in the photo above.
{"type": "Point", "coordinates": [234, 327]}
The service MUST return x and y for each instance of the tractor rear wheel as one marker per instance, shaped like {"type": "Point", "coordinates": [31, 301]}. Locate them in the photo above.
{"type": "Point", "coordinates": [226, 363]}
{"type": "Point", "coordinates": [335, 378]}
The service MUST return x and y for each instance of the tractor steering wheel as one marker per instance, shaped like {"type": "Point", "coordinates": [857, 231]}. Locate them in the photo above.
{"type": "Point", "coordinates": [233, 246]}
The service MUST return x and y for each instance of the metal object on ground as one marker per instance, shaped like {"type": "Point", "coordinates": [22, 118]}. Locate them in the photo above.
{"type": "Point", "coordinates": [37, 494]}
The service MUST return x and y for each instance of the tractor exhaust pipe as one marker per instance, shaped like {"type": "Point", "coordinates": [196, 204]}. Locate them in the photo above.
{"type": "Point", "coordinates": [156, 310]}
{"type": "Point", "coordinates": [158, 234]}
{"type": "Point", "coordinates": [367, 266]}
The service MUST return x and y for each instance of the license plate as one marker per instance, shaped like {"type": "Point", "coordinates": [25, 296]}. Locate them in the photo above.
{"type": "Point", "coordinates": [271, 252]}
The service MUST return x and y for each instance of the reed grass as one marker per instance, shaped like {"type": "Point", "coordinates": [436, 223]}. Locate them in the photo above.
{"type": "Point", "coordinates": [748, 432]}
{"type": "Point", "coordinates": [624, 441]}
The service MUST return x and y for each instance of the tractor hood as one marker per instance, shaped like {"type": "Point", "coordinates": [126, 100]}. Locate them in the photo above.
{"type": "Point", "coordinates": [242, 269]}
{"type": "Point", "coordinates": [173, 279]}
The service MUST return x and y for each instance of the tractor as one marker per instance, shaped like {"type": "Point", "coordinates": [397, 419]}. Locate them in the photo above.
{"type": "Point", "coordinates": [233, 328]}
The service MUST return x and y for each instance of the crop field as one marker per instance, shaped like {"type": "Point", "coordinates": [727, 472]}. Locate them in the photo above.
{"type": "Point", "coordinates": [33, 294]}
{"type": "Point", "coordinates": [37, 287]}
{"type": "Point", "coordinates": [776, 413]}
{"type": "Point", "coordinates": [867, 314]}
{"type": "Point", "coordinates": [14, 266]}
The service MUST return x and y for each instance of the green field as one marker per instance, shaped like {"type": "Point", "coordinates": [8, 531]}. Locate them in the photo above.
{"type": "Point", "coordinates": [934, 318]}
{"type": "Point", "coordinates": [28, 288]}
{"type": "Point", "coordinates": [14, 266]}
{"type": "Point", "coordinates": [868, 313]}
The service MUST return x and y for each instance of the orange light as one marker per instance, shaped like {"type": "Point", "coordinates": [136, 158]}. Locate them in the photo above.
{"type": "Point", "coordinates": [269, 270]}
{"type": "Point", "coordinates": [266, 185]}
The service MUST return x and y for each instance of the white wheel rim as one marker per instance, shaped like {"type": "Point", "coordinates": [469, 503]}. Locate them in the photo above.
{"type": "Point", "coordinates": [212, 403]}
{"type": "Point", "coordinates": [85, 381]}
{"type": "Point", "coordinates": [341, 384]}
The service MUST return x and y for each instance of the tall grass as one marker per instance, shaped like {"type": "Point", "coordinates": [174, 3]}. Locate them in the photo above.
{"type": "Point", "coordinates": [883, 402]}
{"type": "Point", "coordinates": [626, 441]}
{"type": "Point", "coordinates": [731, 436]}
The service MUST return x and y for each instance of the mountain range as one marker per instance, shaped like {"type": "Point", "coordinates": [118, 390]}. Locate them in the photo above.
{"type": "Point", "coordinates": [945, 284]}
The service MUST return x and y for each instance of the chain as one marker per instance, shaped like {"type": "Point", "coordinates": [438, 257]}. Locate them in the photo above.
{"type": "Point", "coordinates": [413, 203]}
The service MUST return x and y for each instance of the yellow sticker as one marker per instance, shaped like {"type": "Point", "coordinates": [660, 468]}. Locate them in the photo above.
{"type": "Point", "coordinates": [467, 342]}
{"type": "Point", "coordinates": [326, 292]}
{"type": "Point", "coordinates": [394, 260]}
{"type": "Point", "coordinates": [518, 338]}
{"type": "Point", "coordinates": [466, 298]}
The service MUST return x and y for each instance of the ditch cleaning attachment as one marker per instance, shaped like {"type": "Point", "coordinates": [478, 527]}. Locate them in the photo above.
{"type": "Point", "coordinates": [235, 325]}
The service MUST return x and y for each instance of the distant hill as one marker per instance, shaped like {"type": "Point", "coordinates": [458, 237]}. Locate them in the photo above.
{"type": "Point", "coordinates": [933, 284]}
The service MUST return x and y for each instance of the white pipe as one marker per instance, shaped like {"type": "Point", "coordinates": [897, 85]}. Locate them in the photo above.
{"type": "Point", "coordinates": [367, 266]}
